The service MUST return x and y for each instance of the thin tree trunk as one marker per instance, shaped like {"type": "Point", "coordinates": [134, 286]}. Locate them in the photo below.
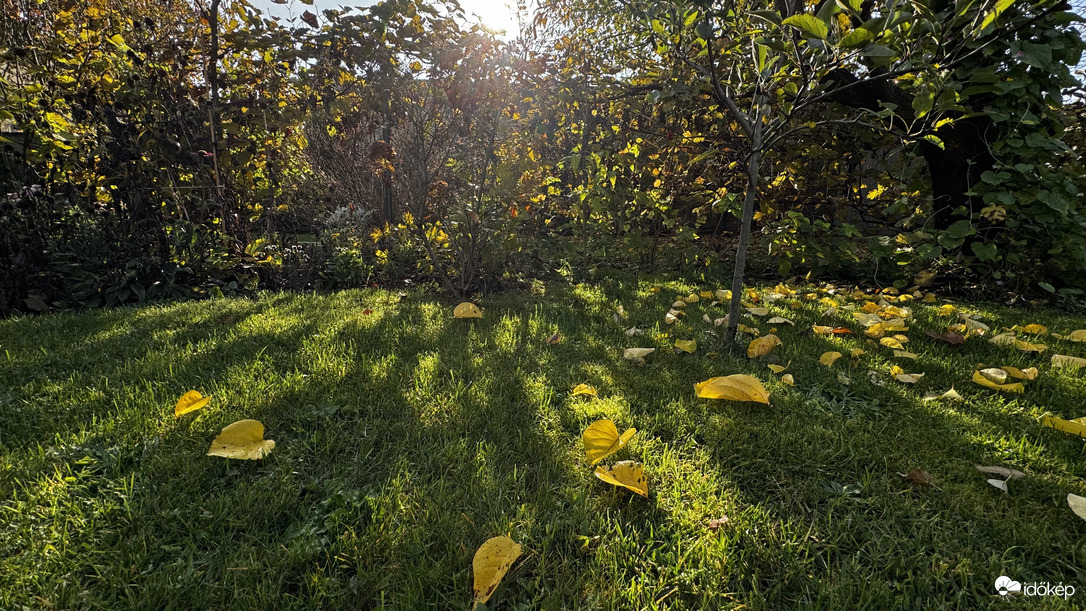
{"type": "Point", "coordinates": [744, 240]}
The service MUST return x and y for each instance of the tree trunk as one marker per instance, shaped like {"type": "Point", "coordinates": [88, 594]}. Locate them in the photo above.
{"type": "Point", "coordinates": [753, 163]}
{"type": "Point", "coordinates": [953, 169]}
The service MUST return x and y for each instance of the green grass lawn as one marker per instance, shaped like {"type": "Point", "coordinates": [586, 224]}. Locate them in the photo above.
{"type": "Point", "coordinates": [405, 438]}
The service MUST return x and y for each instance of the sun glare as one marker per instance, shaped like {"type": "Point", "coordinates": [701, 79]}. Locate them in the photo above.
{"type": "Point", "coordinates": [494, 14]}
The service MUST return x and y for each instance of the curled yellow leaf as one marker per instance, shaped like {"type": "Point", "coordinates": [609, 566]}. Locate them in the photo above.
{"type": "Point", "coordinates": [736, 387]}
{"type": "Point", "coordinates": [978, 378]}
{"type": "Point", "coordinates": [583, 389]}
{"type": "Point", "coordinates": [242, 440]}
{"type": "Point", "coordinates": [601, 439]}
{"type": "Point", "coordinates": [822, 330]}
{"type": "Point", "coordinates": [908, 378]}
{"type": "Point", "coordinates": [777, 368]}
{"type": "Point", "coordinates": [857, 352]}
{"type": "Point", "coordinates": [905, 355]}
{"type": "Point", "coordinates": [1022, 374]}
{"type": "Point", "coordinates": [780, 320]}
{"type": "Point", "coordinates": [490, 564]}
{"type": "Point", "coordinates": [1035, 329]}
{"type": "Point", "coordinates": [788, 379]}
{"type": "Point", "coordinates": [627, 474]}
{"type": "Point", "coordinates": [762, 345]}
{"type": "Point", "coordinates": [758, 311]}
{"type": "Point", "coordinates": [1077, 335]}
{"type": "Point", "coordinates": [190, 402]}
{"type": "Point", "coordinates": [467, 310]}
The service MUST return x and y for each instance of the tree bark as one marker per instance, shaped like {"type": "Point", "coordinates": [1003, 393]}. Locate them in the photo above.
{"type": "Point", "coordinates": [953, 169]}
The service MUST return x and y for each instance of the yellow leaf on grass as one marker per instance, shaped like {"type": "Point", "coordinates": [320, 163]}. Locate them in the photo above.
{"type": "Point", "coordinates": [867, 320]}
{"type": "Point", "coordinates": [995, 374]}
{"type": "Point", "coordinates": [1074, 427]}
{"type": "Point", "coordinates": [706, 294]}
{"type": "Point", "coordinates": [1022, 374]}
{"type": "Point", "coordinates": [762, 346]}
{"type": "Point", "coordinates": [692, 298]}
{"type": "Point", "coordinates": [788, 379]}
{"type": "Point", "coordinates": [857, 352]}
{"type": "Point", "coordinates": [637, 353]}
{"type": "Point", "coordinates": [1077, 505]}
{"type": "Point", "coordinates": [876, 330]}
{"type": "Point", "coordinates": [737, 387]}
{"type": "Point", "coordinates": [1033, 329]}
{"type": "Point", "coordinates": [745, 329]}
{"type": "Point", "coordinates": [1077, 336]}
{"type": "Point", "coordinates": [243, 440]}
{"type": "Point", "coordinates": [947, 310]}
{"type": "Point", "coordinates": [979, 378]}
{"type": "Point", "coordinates": [905, 355]}
{"type": "Point", "coordinates": [467, 310]}
{"type": "Point", "coordinates": [723, 295]}
{"type": "Point", "coordinates": [1062, 360]}
{"type": "Point", "coordinates": [822, 330]}
{"type": "Point", "coordinates": [584, 389]}
{"type": "Point", "coordinates": [678, 304]}
{"type": "Point", "coordinates": [909, 378]}
{"type": "Point", "coordinates": [758, 311]}
{"type": "Point", "coordinates": [601, 439]}
{"type": "Point", "coordinates": [950, 394]}
{"type": "Point", "coordinates": [686, 345]}
{"type": "Point", "coordinates": [190, 402]}
{"type": "Point", "coordinates": [627, 474]}
{"type": "Point", "coordinates": [1030, 347]}
{"type": "Point", "coordinates": [780, 320]}
{"type": "Point", "coordinates": [778, 368]}
{"type": "Point", "coordinates": [491, 563]}
{"type": "Point", "coordinates": [1003, 339]}
{"type": "Point", "coordinates": [891, 342]}
{"type": "Point", "coordinates": [828, 358]}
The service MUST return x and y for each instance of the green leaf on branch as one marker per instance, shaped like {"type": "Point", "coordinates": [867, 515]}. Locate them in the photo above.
{"type": "Point", "coordinates": [1000, 7]}
{"type": "Point", "coordinates": [856, 39]}
{"type": "Point", "coordinates": [810, 25]}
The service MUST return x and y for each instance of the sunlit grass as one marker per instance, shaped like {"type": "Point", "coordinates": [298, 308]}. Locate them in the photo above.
{"type": "Point", "coordinates": [406, 438]}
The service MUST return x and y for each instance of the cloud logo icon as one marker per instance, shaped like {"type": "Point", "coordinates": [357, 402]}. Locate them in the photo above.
{"type": "Point", "coordinates": [1005, 585]}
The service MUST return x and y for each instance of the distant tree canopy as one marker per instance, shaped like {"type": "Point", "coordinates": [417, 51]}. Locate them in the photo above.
{"type": "Point", "coordinates": [171, 149]}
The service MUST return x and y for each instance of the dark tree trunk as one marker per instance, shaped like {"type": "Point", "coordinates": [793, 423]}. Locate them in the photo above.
{"type": "Point", "coordinates": [953, 169]}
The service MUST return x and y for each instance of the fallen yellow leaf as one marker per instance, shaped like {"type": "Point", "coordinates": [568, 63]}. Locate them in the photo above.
{"type": "Point", "coordinates": [467, 310]}
{"type": "Point", "coordinates": [762, 346]}
{"type": "Point", "coordinates": [1077, 505]}
{"type": "Point", "coordinates": [1035, 329]}
{"type": "Point", "coordinates": [1022, 374]}
{"type": "Point", "coordinates": [1062, 360]}
{"type": "Point", "coordinates": [822, 330]}
{"type": "Point", "coordinates": [637, 353]}
{"type": "Point", "coordinates": [905, 355]}
{"type": "Point", "coordinates": [857, 352]}
{"type": "Point", "coordinates": [583, 389]}
{"type": "Point", "coordinates": [627, 474]}
{"type": "Point", "coordinates": [909, 378]}
{"type": "Point", "coordinates": [491, 563]}
{"type": "Point", "coordinates": [686, 345]}
{"type": "Point", "coordinates": [891, 342]}
{"type": "Point", "coordinates": [190, 402]}
{"type": "Point", "coordinates": [780, 320]}
{"type": "Point", "coordinates": [758, 311]}
{"type": "Point", "coordinates": [828, 358]}
{"type": "Point", "coordinates": [736, 387]}
{"type": "Point", "coordinates": [979, 378]}
{"type": "Point", "coordinates": [1074, 427]}
{"type": "Point", "coordinates": [601, 439]}
{"type": "Point", "coordinates": [778, 368]}
{"type": "Point", "coordinates": [1077, 336]}
{"type": "Point", "coordinates": [788, 379]}
{"type": "Point", "coordinates": [243, 440]}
